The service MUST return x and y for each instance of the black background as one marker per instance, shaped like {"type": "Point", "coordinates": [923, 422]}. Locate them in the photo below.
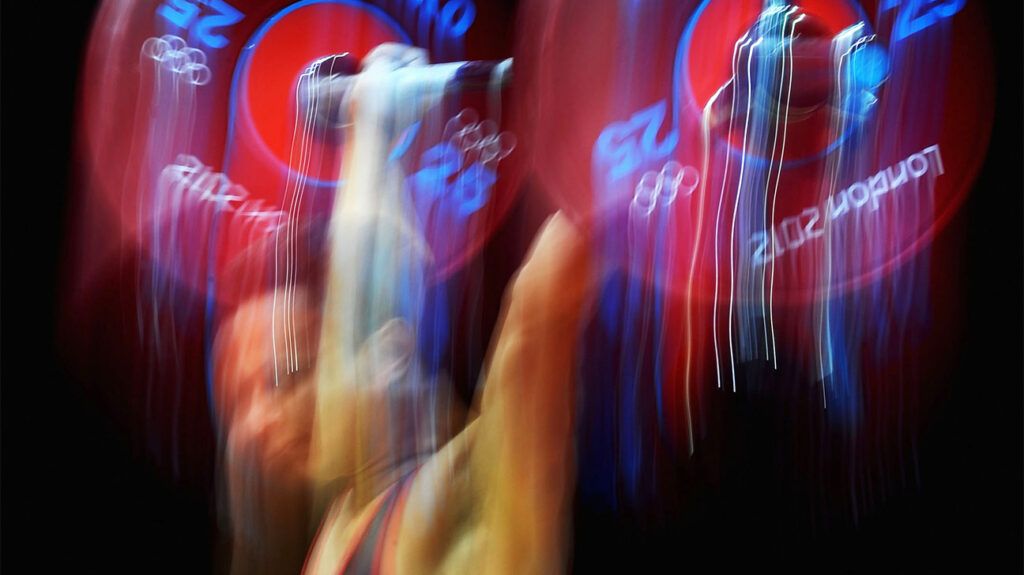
{"type": "Point", "coordinates": [75, 494]}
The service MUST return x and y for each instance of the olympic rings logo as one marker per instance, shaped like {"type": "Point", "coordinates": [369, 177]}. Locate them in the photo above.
{"type": "Point", "coordinates": [664, 187]}
{"type": "Point", "coordinates": [175, 55]}
{"type": "Point", "coordinates": [469, 152]}
{"type": "Point", "coordinates": [479, 141]}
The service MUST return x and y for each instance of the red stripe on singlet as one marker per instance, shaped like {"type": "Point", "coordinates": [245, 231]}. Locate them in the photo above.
{"type": "Point", "coordinates": [384, 542]}
{"type": "Point", "coordinates": [384, 563]}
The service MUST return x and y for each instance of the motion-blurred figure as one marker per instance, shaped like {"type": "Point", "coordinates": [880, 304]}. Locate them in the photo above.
{"type": "Point", "coordinates": [357, 434]}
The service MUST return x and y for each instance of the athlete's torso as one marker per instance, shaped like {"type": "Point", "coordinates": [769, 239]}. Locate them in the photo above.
{"type": "Point", "coordinates": [421, 520]}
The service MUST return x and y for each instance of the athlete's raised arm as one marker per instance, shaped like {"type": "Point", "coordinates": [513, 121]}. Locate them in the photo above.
{"type": "Point", "coordinates": [523, 462]}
